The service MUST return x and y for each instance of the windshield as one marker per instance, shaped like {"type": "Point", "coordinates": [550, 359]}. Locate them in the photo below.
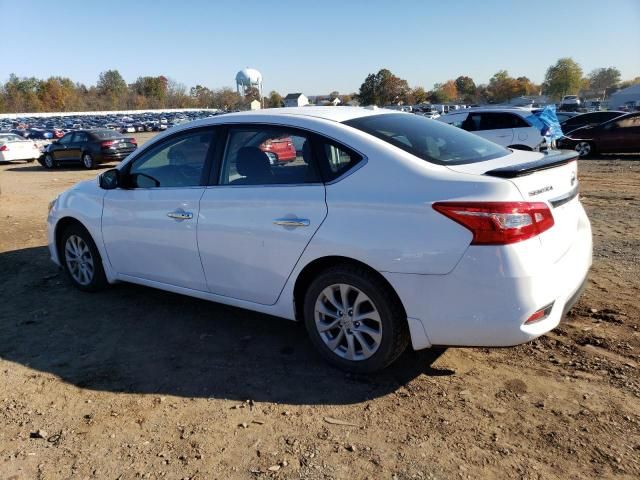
{"type": "Point", "coordinates": [430, 140]}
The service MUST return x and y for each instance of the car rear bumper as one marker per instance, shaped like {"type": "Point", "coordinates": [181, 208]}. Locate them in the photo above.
{"type": "Point", "coordinates": [104, 157]}
{"type": "Point", "coordinates": [487, 298]}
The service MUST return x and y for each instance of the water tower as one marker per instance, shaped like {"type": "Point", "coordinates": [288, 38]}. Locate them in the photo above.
{"type": "Point", "coordinates": [248, 77]}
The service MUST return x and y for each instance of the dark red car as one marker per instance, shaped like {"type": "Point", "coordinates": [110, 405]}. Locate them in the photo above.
{"type": "Point", "coordinates": [279, 150]}
{"type": "Point", "coordinates": [620, 135]}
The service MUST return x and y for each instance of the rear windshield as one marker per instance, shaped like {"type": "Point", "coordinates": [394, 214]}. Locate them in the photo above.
{"type": "Point", "coordinates": [430, 140]}
{"type": "Point", "coordinates": [105, 134]}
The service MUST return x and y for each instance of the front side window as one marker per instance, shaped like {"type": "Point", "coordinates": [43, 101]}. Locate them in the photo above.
{"type": "Point", "coordinates": [177, 162]}
{"type": "Point", "coordinates": [80, 137]}
{"type": "Point", "coordinates": [266, 155]}
{"type": "Point", "coordinates": [66, 139]}
{"type": "Point", "coordinates": [430, 140]}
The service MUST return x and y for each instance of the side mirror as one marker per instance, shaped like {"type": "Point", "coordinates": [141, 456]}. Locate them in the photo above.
{"type": "Point", "coordinates": [110, 179]}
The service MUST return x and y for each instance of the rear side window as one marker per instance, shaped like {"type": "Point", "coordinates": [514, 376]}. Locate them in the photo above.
{"type": "Point", "coordinates": [430, 140]}
{"type": "Point", "coordinates": [268, 155]}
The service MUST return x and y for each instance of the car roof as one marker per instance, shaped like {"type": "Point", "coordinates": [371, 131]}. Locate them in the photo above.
{"type": "Point", "coordinates": [336, 114]}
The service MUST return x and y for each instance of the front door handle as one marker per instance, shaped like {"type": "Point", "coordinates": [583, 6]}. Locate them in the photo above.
{"type": "Point", "coordinates": [180, 215]}
{"type": "Point", "coordinates": [292, 222]}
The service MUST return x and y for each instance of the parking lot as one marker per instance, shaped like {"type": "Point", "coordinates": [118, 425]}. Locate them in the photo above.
{"type": "Point", "coordinates": [140, 383]}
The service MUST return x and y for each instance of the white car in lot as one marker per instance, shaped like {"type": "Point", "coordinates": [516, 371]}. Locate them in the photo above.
{"type": "Point", "coordinates": [509, 127]}
{"type": "Point", "coordinates": [14, 147]}
{"type": "Point", "coordinates": [387, 228]}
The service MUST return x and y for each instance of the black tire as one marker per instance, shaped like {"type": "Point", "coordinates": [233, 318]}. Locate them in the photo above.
{"type": "Point", "coordinates": [99, 280]}
{"type": "Point", "coordinates": [395, 332]}
{"type": "Point", "coordinates": [87, 161]}
{"type": "Point", "coordinates": [585, 149]}
{"type": "Point", "coordinates": [48, 161]}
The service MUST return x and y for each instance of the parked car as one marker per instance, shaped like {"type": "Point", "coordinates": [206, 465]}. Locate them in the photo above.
{"type": "Point", "coordinates": [564, 116]}
{"type": "Point", "coordinates": [88, 148]}
{"type": "Point", "coordinates": [588, 119]}
{"type": "Point", "coordinates": [393, 229]}
{"type": "Point", "coordinates": [15, 147]}
{"type": "Point", "coordinates": [620, 135]}
{"type": "Point", "coordinates": [570, 103]}
{"type": "Point", "coordinates": [279, 150]}
{"type": "Point", "coordinates": [509, 127]}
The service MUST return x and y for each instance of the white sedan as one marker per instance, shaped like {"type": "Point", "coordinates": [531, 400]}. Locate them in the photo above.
{"type": "Point", "coordinates": [384, 229]}
{"type": "Point", "coordinates": [15, 147]}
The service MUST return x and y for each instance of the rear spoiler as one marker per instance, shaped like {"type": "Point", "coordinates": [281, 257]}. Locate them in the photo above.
{"type": "Point", "coordinates": [550, 160]}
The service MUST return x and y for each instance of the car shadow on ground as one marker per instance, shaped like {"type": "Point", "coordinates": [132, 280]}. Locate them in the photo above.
{"type": "Point", "coordinates": [141, 340]}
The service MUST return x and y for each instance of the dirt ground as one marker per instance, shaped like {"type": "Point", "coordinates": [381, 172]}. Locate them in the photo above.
{"type": "Point", "coordinates": [139, 383]}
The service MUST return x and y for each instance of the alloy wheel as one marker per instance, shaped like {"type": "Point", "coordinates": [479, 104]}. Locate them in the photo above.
{"type": "Point", "coordinates": [583, 148]}
{"type": "Point", "coordinates": [79, 260]}
{"type": "Point", "coordinates": [348, 322]}
{"type": "Point", "coordinates": [48, 161]}
{"type": "Point", "coordinates": [87, 160]}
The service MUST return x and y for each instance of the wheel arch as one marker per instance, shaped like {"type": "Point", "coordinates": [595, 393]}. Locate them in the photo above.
{"type": "Point", "coordinates": [61, 226]}
{"type": "Point", "coordinates": [313, 268]}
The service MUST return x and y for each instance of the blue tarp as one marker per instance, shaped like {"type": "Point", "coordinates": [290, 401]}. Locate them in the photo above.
{"type": "Point", "coordinates": [547, 122]}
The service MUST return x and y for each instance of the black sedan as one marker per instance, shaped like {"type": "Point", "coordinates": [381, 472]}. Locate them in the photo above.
{"type": "Point", "coordinates": [88, 148]}
{"type": "Point", "coordinates": [588, 119]}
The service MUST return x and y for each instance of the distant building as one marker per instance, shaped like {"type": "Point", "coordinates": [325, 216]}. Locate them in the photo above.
{"type": "Point", "coordinates": [255, 105]}
{"type": "Point", "coordinates": [626, 95]}
{"type": "Point", "coordinates": [295, 100]}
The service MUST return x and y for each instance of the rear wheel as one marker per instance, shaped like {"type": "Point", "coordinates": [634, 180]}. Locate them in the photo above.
{"type": "Point", "coordinates": [354, 320]}
{"type": "Point", "coordinates": [584, 149]}
{"type": "Point", "coordinates": [87, 161]}
{"type": "Point", "coordinates": [81, 260]}
{"type": "Point", "coordinates": [48, 161]}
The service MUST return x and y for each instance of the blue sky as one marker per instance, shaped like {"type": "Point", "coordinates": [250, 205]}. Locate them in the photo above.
{"type": "Point", "coordinates": [315, 46]}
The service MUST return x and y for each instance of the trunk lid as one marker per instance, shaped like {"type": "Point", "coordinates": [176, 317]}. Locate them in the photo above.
{"type": "Point", "coordinates": [549, 177]}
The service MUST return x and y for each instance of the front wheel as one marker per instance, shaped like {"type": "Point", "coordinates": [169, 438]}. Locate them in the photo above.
{"type": "Point", "coordinates": [48, 161]}
{"type": "Point", "coordinates": [87, 161]}
{"type": "Point", "coordinates": [354, 320]}
{"type": "Point", "coordinates": [81, 260]}
{"type": "Point", "coordinates": [584, 149]}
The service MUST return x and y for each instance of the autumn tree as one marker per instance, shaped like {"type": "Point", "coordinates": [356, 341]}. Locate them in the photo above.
{"type": "Point", "coordinates": [382, 88]}
{"type": "Point", "coordinates": [112, 88]}
{"type": "Point", "coordinates": [201, 96]}
{"type": "Point", "coordinates": [563, 78]}
{"type": "Point", "coordinates": [604, 80]}
{"type": "Point", "coordinates": [153, 89]}
{"type": "Point", "coordinates": [275, 100]}
{"type": "Point", "coordinates": [419, 95]}
{"type": "Point", "coordinates": [466, 87]}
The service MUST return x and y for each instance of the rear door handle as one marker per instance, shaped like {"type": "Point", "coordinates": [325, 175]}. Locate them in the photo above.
{"type": "Point", "coordinates": [292, 222]}
{"type": "Point", "coordinates": [180, 215]}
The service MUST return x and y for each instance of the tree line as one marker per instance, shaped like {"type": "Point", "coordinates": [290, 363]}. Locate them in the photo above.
{"type": "Point", "coordinates": [112, 92]}
{"type": "Point", "coordinates": [565, 77]}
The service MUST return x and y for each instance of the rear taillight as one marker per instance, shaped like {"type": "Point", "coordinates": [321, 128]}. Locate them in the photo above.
{"type": "Point", "coordinates": [4, 148]}
{"type": "Point", "coordinates": [499, 223]}
{"type": "Point", "coordinates": [133, 140]}
{"type": "Point", "coordinates": [107, 143]}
